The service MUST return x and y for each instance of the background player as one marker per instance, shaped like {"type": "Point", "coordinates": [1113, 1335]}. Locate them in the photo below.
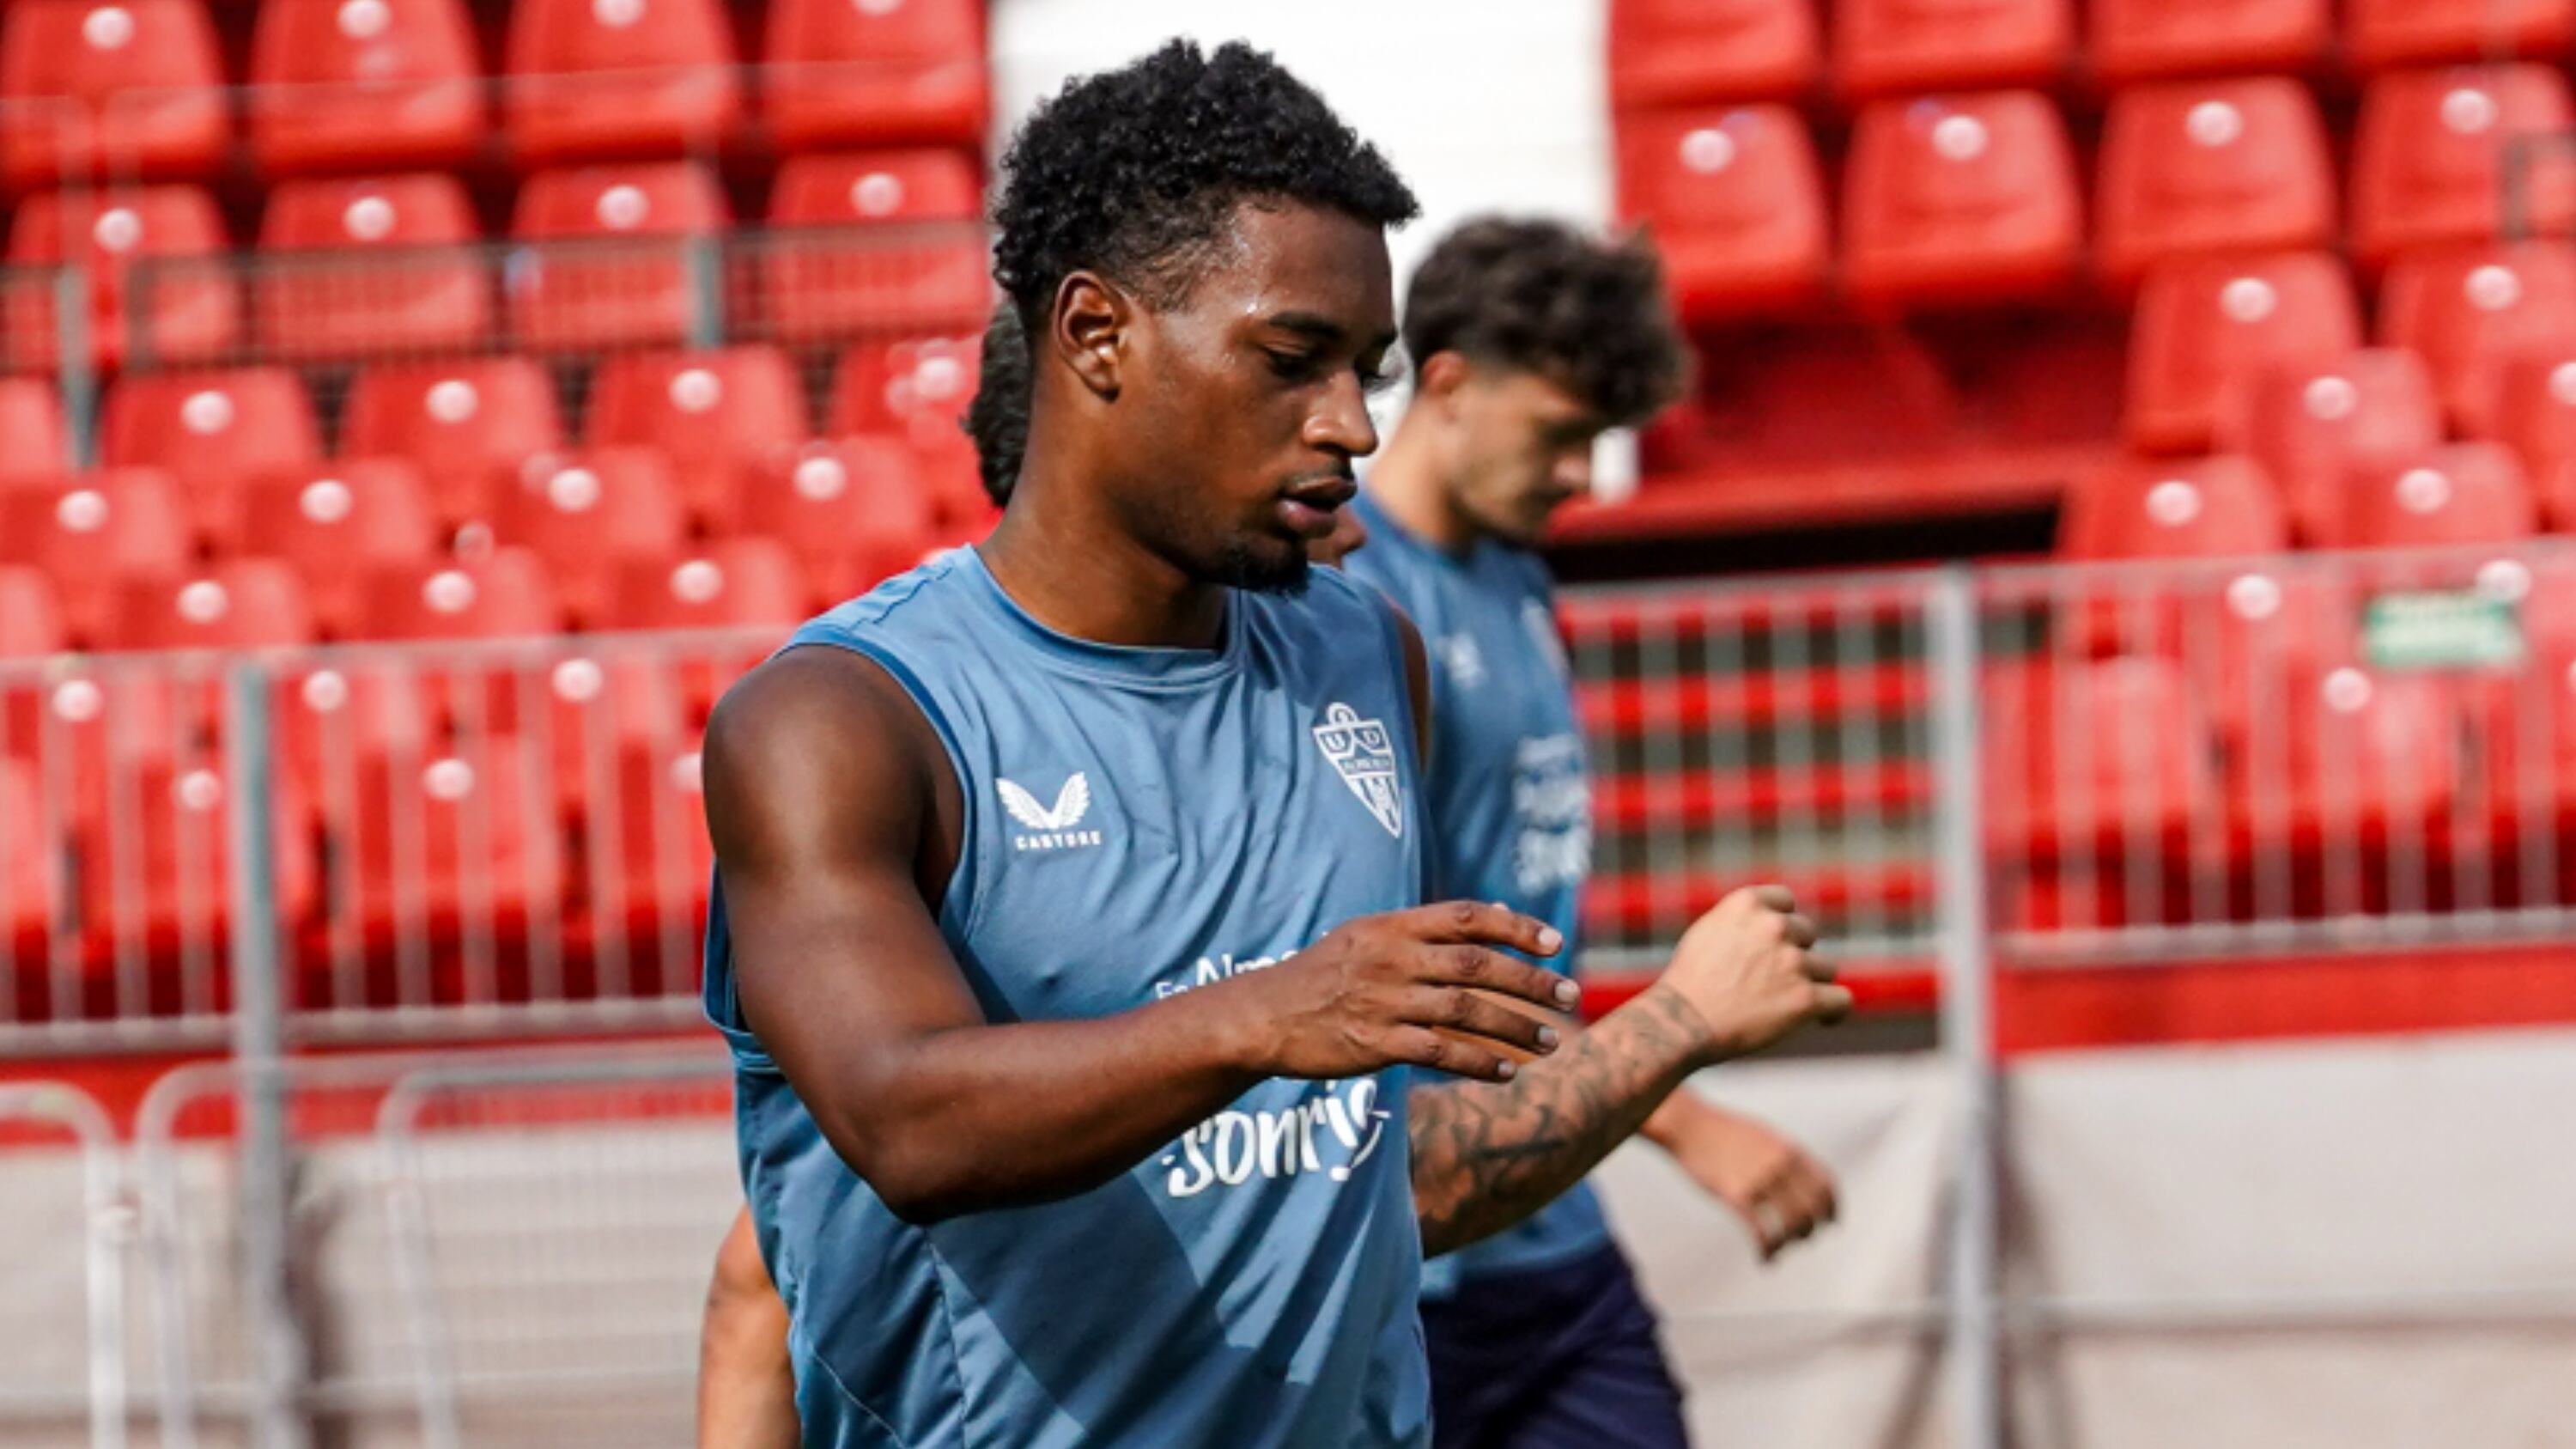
{"type": "Point", "coordinates": [1527, 340]}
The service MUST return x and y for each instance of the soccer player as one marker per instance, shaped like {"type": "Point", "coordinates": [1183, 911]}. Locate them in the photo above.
{"type": "Point", "coordinates": [1067, 928]}
{"type": "Point", "coordinates": [1527, 340]}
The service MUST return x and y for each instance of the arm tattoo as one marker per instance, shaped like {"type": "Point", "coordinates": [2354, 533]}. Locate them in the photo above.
{"type": "Point", "coordinates": [1486, 1155]}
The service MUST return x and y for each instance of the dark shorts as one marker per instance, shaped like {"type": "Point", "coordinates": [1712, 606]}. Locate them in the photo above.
{"type": "Point", "coordinates": [1559, 1358]}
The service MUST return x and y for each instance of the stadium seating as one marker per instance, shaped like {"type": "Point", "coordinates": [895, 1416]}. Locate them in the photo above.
{"type": "Point", "coordinates": [186, 311]}
{"type": "Point", "coordinates": [464, 424]}
{"type": "Point", "coordinates": [718, 418]}
{"type": "Point", "coordinates": [2535, 415]}
{"type": "Point", "coordinates": [2204, 325]}
{"type": "Point", "coordinates": [830, 272]}
{"type": "Point", "coordinates": [2134, 40]}
{"type": "Point", "coordinates": [658, 840]}
{"type": "Point", "coordinates": [917, 389]}
{"type": "Point", "coordinates": [2429, 158]}
{"type": "Point", "coordinates": [93, 533]}
{"type": "Point", "coordinates": [211, 430]}
{"type": "Point", "coordinates": [735, 583]}
{"type": "Point", "coordinates": [2307, 423]}
{"type": "Point", "coordinates": [604, 78]}
{"type": "Point", "coordinates": [440, 836]}
{"type": "Point", "coordinates": [2459, 493]}
{"type": "Point", "coordinates": [2465, 308]}
{"type": "Point", "coordinates": [588, 513]}
{"type": "Point", "coordinates": [2366, 754]}
{"type": "Point", "coordinates": [1734, 202]}
{"type": "Point", "coordinates": [338, 84]}
{"type": "Point", "coordinates": [2174, 508]}
{"type": "Point", "coordinates": [1955, 201]}
{"type": "Point", "coordinates": [337, 523]}
{"type": "Point", "coordinates": [2383, 34]}
{"type": "Point", "coordinates": [1889, 47]}
{"type": "Point", "coordinates": [2197, 167]}
{"type": "Point", "coordinates": [887, 72]}
{"type": "Point", "coordinates": [33, 443]}
{"type": "Point", "coordinates": [2078, 759]}
{"type": "Point", "coordinates": [95, 91]}
{"type": "Point", "coordinates": [369, 268]}
{"type": "Point", "coordinates": [852, 511]}
{"type": "Point", "coordinates": [152, 839]}
{"type": "Point", "coordinates": [1702, 52]}
{"type": "Point", "coordinates": [607, 262]}
{"type": "Point", "coordinates": [506, 594]}
{"type": "Point", "coordinates": [241, 603]}
{"type": "Point", "coordinates": [31, 619]}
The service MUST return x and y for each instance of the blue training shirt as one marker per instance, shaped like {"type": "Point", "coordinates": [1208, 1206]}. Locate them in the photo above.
{"type": "Point", "coordinates": [1138, 822]}
{"type": "Point", "coordinates": [1510, 793]}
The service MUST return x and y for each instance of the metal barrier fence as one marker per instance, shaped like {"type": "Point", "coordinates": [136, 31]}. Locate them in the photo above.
{"type": "Point", "coordinates": [65, 1185]}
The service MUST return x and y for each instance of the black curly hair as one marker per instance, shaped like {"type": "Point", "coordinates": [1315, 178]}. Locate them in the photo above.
{"type": "Point", "coordinates": [1539, 296]}
{"type": "Point", "coordinates": [1133, 172]}
{"type": "Point", "coordinates": [997, 420]}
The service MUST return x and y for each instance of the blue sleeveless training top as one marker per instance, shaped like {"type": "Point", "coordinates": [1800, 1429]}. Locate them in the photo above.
{"type": "Point", "coordinates": [1138, 822]}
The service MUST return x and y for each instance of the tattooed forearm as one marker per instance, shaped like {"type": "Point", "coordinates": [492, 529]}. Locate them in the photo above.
{"type": "Point", "coordinates": [1486, 1155]}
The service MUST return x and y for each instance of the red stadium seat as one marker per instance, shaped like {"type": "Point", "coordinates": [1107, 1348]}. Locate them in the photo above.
{"type": "Point", "coordinates": [1700, 52]}
{"type": "Point", "coordinates": [657, 837]}
{"type": "Point", "coordinates": [154, 842]}
{"type": "Point", "coordinates": [1959, 200]}
{"type": "Point", "coordinates": [2203, 326]}
{"type": "Point", "coordinates": [854, 511]}
{"type": "Point", "coordinates": [2175, 508]}
{"type": "Point", "coordinates": [357, 268]}
{"type": "Point", "coordinates": [2134, 40]}
{"type": "Point", "coordinates": [2081, 755]}
{"type": "Point", "coordinates": [609, 263]}
{"type": "Point", "coordinates": [2460, 493]}
{"type": "Point", "coordinates": [2465, 308]}
{"type": "Point", "coordinates": [464, 424]}
{"type": "Point", "coordinates": [1734, 202]}
{"type": "Point", "coordinates": [183, 311]}
{"type": "Point", "coordinates": [242, 603]}
{"type": "Point", "coordinates": [92, 534]}
{"type": "Point", "coordinates": [917, 389]}
{"type": "Point", "coordinates": [120, 91]}
{"type": "Point", "coordinates": [2384, 34]}
{"type": "Point", "coordinates": [735, 584]}
{"type": "Point", "coordinates": [1889, 47]}
{"type": "Point", "coordinates": [598, 78]}
{"type": "Point", "coordinates": [830, 274]}
{"type": "Point", "coordinates": [363, 83]}
{"type": "Point", "coordinates": [31, 618]}
{"type": "Point", "coordinates": [337, 523]}
{"type": "Point", "coordinates": [884, 72]}
{"type": "Point", "coordinates": [31, 864]}
{"type": "Point", "coordinates": [2361, 748]}
{"type": "Point", "coordinates": [588, 514]}
{"type": "Point", "coordinates": [2429, 158]}
{"type": "Point", "coordinates": [2212, 166]}
{"type": "Point", "coordinates": [2535, 415]}
{"type": "Point", "coordinates": [212, 430]}
{"type": "Point", "coordinates": [506, 594]}
{"type": "Point", "coordinates": [32, 441]}
{"type": "Point", "coordinates": [719, 418]}
{"type": "Point", "coordinates": [2308, 423]}
{"type": "Point", "coordinates": [443, 838]}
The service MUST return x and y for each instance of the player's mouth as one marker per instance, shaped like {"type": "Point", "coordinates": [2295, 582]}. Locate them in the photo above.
{"type": "Point", "coordinates": [1308, 508]}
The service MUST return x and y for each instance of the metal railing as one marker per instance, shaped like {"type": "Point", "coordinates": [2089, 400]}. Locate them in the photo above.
{"type": "Point", "coordinates": [65, 1186]}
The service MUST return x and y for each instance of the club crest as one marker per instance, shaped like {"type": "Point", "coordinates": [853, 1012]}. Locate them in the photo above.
{"type": "Point", "coordinates": [1364, 756]}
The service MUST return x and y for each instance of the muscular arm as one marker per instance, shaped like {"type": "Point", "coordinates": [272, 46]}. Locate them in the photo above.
{"type": "Point", "coordinates": [821, 781]}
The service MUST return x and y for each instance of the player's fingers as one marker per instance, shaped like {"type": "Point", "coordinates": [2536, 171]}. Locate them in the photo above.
{"type": "Point", "coordinates": [1478, 923]}
{"type": "Point", "coordinates": [1773, 898]}
{"type": "Point", "coordinates": [1461, 965]}
{"type": "Point", "coordinates": [1833, 1003]}
{"type": "Point", "coordinates": [1420, 1046]}
{"type": "Point", "coordinates": [1799, 930]}
{"type": "Point", "coordinates": [1455, 1009]}
{"type": "Point", "coordinates": [1819, 969]}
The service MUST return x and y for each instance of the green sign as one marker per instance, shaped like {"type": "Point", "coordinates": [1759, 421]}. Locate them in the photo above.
{"type": "Point", "coordinates": [2448, 630]}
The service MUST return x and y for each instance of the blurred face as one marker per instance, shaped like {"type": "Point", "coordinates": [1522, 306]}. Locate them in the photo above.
{"type": "Point", "coordinates": [1518, 447]}
{"type": "Point", "coordinates": [1240, 410]}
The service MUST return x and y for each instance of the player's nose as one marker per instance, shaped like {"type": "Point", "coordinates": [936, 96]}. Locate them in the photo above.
{"type": "Point", "coordinates": [1340, 424]}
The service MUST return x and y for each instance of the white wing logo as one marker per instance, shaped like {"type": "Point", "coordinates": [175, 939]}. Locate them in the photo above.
{"type": "Point", "coordinates": [1071, 803]}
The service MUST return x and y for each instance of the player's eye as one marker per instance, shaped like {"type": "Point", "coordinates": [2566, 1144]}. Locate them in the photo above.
{"type": "Point", "coordinates": [1293, 366]}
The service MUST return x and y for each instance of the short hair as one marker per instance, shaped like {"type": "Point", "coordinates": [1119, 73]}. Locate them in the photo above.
{"type": "Point", "coordinates": [1134, 172]}
{"type": "Point", "coordinates": [997, 420]}
{"type": "Point", "coordinates": [1531, 295]}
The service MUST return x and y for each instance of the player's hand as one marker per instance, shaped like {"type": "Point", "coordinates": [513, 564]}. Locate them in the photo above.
{"type": "Point", "coordinates": [1406, 988]}
{"type": "Point", "coordinates": [1747, 969]}
{"type": "Point", "coordinates": [1781, 1193]}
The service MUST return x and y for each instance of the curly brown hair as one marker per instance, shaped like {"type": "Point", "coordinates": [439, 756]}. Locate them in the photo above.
{"type": "Point", "coordinates": [1532, 295]}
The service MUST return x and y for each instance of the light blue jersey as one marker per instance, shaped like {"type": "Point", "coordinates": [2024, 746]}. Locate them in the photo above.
{"type": "Point", "coordinates": [1510, 794]}
{"type": "Point", "coordinates": [1138, 822]}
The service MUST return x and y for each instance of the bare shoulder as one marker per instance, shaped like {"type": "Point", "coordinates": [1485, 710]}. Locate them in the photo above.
{"type": "Point", "coordinates": [815, 746]}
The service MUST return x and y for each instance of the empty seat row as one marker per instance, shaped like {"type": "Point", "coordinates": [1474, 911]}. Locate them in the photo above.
{"type": "Point", "coordinates": [386, 266]}
{"type": "Point", "coordinates": [1697, 52]}
{"type": "Point", "coordinates": [1951, 197]}
{"type": "Point", "coordinates": [132, 88]}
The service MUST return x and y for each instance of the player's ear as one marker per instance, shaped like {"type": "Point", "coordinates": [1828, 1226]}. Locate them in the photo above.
{"type": "Point", "coordinates": [1089, 330]}
{"type": "Point", "coordinates": [1440, 376]}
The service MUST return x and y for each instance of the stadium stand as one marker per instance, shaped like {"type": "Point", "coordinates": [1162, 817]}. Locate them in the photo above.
{"type": "Point", "coordinates": [2135, 40]}
{"type": "Point", "coordinates": [341, 84]}
{"type": "Point", "coordinates": [1736, 205]}
{"type": "Point", "coordinates": [1700, 52]}
{"type": "Point", "coordinates": [351, 269]}
{"type": "Point", "coordinates": [95, 91]}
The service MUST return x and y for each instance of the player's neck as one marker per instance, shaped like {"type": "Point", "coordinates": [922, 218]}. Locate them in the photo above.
{"type": "Point", "coordinates": [1406, 484]}
{"type": "Point", "coordinates": [1072, 569]}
